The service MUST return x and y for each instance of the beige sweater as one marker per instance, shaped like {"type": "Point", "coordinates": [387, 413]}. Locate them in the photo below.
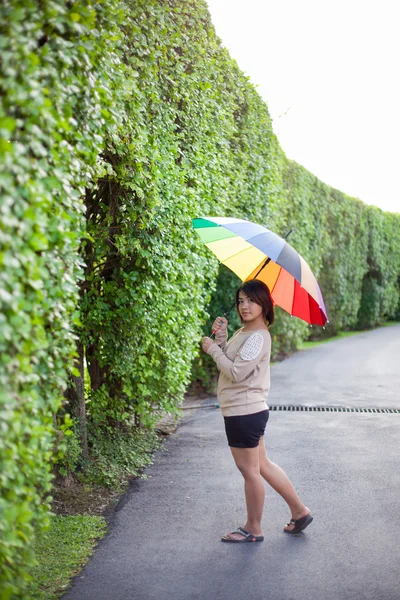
{"type": "Point", "coordinates": [244, 379]}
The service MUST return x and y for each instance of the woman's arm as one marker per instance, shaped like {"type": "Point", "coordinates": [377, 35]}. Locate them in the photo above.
{"type": "Point", "coordinates": [246, 360]}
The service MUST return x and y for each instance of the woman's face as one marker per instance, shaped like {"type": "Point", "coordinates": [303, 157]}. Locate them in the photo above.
{"type": "Point", "coordinates": [249, 310]}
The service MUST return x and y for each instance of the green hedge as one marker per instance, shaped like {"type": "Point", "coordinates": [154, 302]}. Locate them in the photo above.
{"type": "Point", "coordinates": [55, 106]}
{"type": "Point", "coordinates": [195, 140]}
{"type": "Point", "coordinates": [120, 121]}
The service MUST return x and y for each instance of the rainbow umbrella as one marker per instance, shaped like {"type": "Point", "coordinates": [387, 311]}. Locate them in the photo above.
{"type": "Point", "coordinates": [254, 252]}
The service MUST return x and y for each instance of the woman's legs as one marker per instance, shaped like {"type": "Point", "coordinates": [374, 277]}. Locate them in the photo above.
{"type": "Point", "coordinates": [247, 461]}
{"type": "Point", "coordinates": [254, 465]}
{"type": "Point", "coordinates": [280, 482]}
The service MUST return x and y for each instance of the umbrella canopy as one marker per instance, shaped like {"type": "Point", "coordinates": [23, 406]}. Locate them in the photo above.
{"type": "Point", "coordinates": [244, 247]}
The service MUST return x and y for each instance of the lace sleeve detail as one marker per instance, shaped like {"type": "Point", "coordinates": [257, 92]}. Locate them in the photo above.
{"type": "Point", "coordinates": [252, 347]}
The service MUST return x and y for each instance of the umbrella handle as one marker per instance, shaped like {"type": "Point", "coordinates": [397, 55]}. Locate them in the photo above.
{"type": "Point", "coordinates": [224, 315]}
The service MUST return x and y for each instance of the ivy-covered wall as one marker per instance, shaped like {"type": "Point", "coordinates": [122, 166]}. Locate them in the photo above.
{"type": "Point", "coordinates": [56, 91]}
{"type": "Point", "coordinates": [120, 121]}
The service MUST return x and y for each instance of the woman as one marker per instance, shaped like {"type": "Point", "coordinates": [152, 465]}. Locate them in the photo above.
{"type": "Point", "coordinates": [243, 388]}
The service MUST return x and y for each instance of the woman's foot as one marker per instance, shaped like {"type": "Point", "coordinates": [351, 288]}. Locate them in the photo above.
{"type": "Point", "coordinates": [299, 521]}
{"type": "Point", "coordinates": [242, 535]}
{"type": "Point", "coordinates": [236, 535]}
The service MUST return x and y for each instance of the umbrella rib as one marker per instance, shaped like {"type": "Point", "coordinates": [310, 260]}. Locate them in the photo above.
{"type": "Point", "coordinates": [252, 246]}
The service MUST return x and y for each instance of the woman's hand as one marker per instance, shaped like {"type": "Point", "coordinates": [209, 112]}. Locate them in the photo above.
{"type": "Point", "coordinates": [206, 342]}
{"type": "Point", "coordinates": [220, 324]}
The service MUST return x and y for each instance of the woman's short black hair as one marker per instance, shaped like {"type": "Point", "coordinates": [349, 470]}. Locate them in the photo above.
{"type": "Point", "coordinates": [259, 292]}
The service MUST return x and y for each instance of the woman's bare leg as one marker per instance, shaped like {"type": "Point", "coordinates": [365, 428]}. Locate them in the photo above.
{"type": "Point", "coordinates": [247, 461]}
{"type": "Point", "coordinates": [280, 482]}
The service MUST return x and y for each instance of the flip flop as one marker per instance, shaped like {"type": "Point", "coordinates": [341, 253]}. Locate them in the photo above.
{"type": "Point", "coordinates": [247, 537]}
{"type": "Point", "coordinates": [299, 524]}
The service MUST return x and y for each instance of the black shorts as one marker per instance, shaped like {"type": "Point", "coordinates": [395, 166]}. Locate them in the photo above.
{"type": "Point", "coordinates": [245, 431]}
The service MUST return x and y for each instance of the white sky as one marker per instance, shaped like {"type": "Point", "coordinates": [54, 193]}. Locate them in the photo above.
{"type": "Point", "coordinates": [329, 72]}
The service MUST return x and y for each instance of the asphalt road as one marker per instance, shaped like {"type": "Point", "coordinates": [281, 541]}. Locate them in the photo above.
{"type": "Point", "coordinates": [361, 371]}
{"type": "Point", "coordinates": [164, 539]}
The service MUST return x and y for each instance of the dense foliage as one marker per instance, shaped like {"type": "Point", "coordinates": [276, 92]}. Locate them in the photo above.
{"type": "Point", "coordinates": [54, 103]}
{"type": "Point", "coordinates": [119, 122]}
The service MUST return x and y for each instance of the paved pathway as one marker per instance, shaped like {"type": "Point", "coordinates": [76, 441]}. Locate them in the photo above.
{"type": "Point", "coordinates": [361, 371]}
{"type": "Point", "coordinates": [164, 538]}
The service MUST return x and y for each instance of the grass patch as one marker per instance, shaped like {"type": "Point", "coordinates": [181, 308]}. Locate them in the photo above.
{"type": "Point", "coordinates": [61, 551]}
{"type": "Point", "coordinates": [343, 334]}
{"type": "Point", "coordinates": [82, 505]}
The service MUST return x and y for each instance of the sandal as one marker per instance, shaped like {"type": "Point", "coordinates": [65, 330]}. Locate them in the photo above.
{"type": "Point", "coordinates": [247, 537]}
{"type": "Point", "coordinates": [299, 524]}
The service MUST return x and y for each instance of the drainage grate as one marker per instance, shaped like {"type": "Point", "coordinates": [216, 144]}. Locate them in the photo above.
{"type": "Point", "coordinates": [277, 407]}
{"type": "Point", "coordinates": [335, 409]}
